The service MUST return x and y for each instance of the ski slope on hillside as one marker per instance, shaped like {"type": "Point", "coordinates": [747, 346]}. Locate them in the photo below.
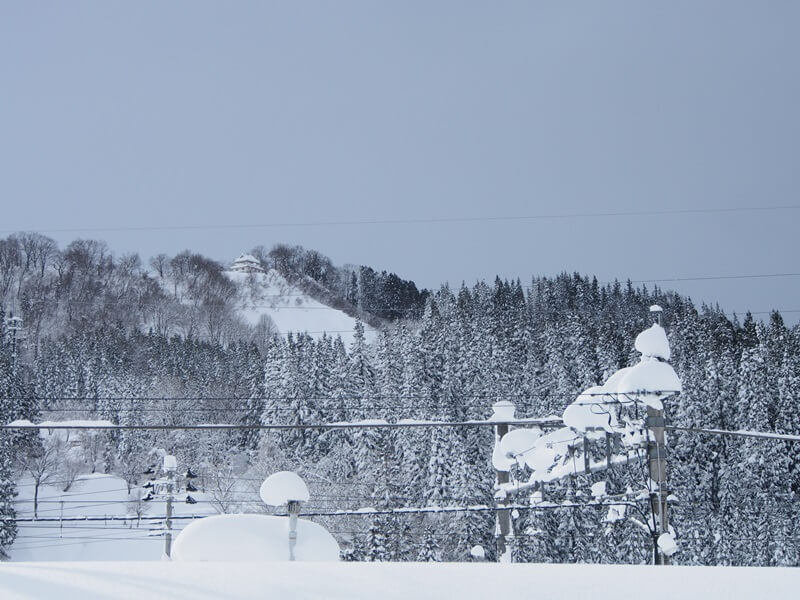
{"type": "Point", "coordinates": [269, 294]}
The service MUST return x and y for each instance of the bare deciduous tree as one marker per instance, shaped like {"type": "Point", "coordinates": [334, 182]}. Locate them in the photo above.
{"type": "Point", "coordinates": [42, 462]}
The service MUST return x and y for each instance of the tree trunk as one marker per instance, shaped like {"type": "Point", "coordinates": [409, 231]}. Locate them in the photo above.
{"type": "Point", "coordinates": [35, 498]}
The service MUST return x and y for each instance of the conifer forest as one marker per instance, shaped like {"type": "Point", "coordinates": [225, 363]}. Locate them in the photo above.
{"type": "Point", "coordinates": [90, 335]}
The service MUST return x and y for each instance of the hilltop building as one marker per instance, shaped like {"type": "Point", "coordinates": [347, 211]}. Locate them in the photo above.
{"type": "Point", "coordinates": [247, 263]}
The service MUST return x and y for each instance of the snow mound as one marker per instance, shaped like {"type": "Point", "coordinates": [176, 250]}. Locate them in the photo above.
{"type": "Point", "coordinates": [653, 342]}
{"type": "Point", "coordinates": [590, 411]}
{"type": "Point", "coordinates": [667, 544]}
{"type": "Point", "coordinates": [283, 486]}
{"type": "Point", "coordinates": [548, 449]}
{"type": "Point", "coordinates": [611, 386]}
{"type": "Point", "coordinates": [509, 450]}
{"type": "Point", "coordinates": [650, 382]}
{"type": "Point", "coordinates": [519, 441]}
{"type": "Point", "coordinates": [503, 411]}
{"type": "Point", "coordinates": [252, 538]}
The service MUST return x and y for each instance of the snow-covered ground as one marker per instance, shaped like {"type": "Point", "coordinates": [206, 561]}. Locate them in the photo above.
{"type": "Point", "coordinates": [101, 496]}
{"type": "Point", "coordinates": [269, 294]}
{"type": "Point", "coordinates": [353, 581]}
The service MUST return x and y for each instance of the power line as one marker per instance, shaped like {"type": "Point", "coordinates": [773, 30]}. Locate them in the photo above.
{"type": "Point", "coordinates": [764, 435]}
{"type": "Point", "coordinates": [369, 424]}
{"type": "Point", "coordinates": [424, 220]}
{"type": "Point", "coordinates": [377, 424]}
{"type": "Point", "coordinates": [362, 512]}
{"type": "Point", "coordinates": [370, 398]}
{"type": "Point", "coordinates": [715, 277]}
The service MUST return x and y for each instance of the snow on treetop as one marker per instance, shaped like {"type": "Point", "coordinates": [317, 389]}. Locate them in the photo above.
{"type": "Point", "coordinates": [245, 538]}
{"type": "Point", "coordinates": [653, 342]}
{"type": "Point", "coordinates": [599, 489]}
{"type": "Point", "coordinates": [283, 486]}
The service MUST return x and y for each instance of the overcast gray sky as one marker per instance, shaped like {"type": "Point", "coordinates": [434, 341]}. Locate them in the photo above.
{"type": "Point", "coordinates": [230, 113]}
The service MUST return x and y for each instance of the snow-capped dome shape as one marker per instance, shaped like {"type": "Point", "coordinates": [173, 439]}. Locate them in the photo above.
{"type": "Point", "coordinates": [667, 544]}
{"type": "Point", "coordinates": [503, 411]}
{"type": "Point", "coordinates": [248, 538]}
{"type": "Point", "coordinates": [548, 449]}
{"type": "Point", "coordinates": [283, 486]}
{"type": "Point", "coordinates": [478, 552]}
{"type": "Point", "coordinates": [653, 342]}
{"type": "Point", "coordinates": [650, 381]}
{"type": "Point", "coordinates": [519, 441]}
{"type": "Point", "coordinates": [589, 411]}
{"type": "Point", "coordinates": [247, 263]}
{"type": "Point", "coordinates": [612, 383]}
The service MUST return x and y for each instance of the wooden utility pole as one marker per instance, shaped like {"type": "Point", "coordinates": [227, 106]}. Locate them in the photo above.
{"type": "Point", "coordinates": [170, 466]}
{"type": "Point", "coordinates": [503, 515]}
{"type": "Point", "coordinates": [503, 411]}
{"type": "Point", "coordinates": [657, 461]}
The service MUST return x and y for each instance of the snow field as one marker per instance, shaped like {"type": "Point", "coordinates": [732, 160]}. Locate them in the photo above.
{"type": "Point", "coordinates": [94, 495]}
{"type": "Point", "coordinates": [269, 294]}
{"type": "Point", "coordinates": [389, 581]}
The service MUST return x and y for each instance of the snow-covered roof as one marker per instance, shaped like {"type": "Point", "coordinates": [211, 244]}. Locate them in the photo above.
{"type": "Point", "coordinates": [246, 262]}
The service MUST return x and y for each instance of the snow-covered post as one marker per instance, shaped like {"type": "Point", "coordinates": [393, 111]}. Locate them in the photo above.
{"type": "Point", "coordinates": [649, 382]}
{"type": "Point", "coordinates": [286, 488]}
{"type": "Point", "coordinates": [293, 506]}
{"type": "Point", "coordinates": [502, 412]}
{"type": "Point", "coordinates": [656, 453]}
{"type": "Point", "coordinates": [170, 466]}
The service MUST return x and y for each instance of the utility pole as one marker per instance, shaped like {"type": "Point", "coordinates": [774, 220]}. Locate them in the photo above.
{"type": "Point", "coordinates": [503, 410]}
{"type": "Point", "coordinates": [657, 461]}
{"type": "Point", "coordinates": [170, 466]}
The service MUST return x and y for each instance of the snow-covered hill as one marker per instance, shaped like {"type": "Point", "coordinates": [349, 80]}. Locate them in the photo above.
{"type": "Point", "coordinates": [268, 294]}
